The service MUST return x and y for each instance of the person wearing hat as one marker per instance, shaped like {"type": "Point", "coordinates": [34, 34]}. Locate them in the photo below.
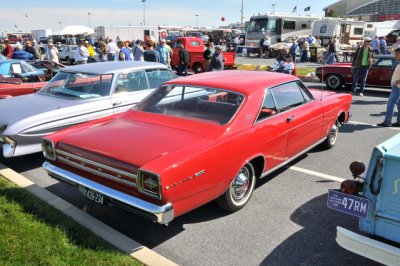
{"type": "Point", "coordinates": [52, 52]}
{"type": "Point", "coordinates": [217, 60]}
{"type": "Point", "coordinates": [8, 49]}
{"type": "Point", "coordinates": [362, 61]}
{"type": "Point", "coordinates": [164, 52]}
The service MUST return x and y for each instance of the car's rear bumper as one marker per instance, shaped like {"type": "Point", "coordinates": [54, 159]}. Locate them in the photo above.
{"type": "Point", "coordinates": [367, 247]}
{"type": "Point", "coordinates": [162, 214]}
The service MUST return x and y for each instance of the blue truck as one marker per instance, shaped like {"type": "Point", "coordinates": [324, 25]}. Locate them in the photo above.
{"type": "Point", "coordinates": [375, 199]}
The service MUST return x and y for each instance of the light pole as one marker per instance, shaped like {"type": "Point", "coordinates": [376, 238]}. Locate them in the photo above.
{"type": "Point", "coordinates": [273, 8]}
{"type": "Point", "coordinates": [60, 25]}
{"type": "Point", "coordinates": [197, 20]}
{"type": "Point", "coordinates": [89, 17]}
{"type": "Point", "coordinates": [241, 17]}
{"type": "Point", "coordinates": [144, 12]}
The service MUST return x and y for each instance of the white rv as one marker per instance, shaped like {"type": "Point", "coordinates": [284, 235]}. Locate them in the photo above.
{"type": "Point", "coordinates": [277, 27]}
{"type": "Point", "coordinates": [348, 31]}
{"type": "Point", "coordinates": [382, 28]}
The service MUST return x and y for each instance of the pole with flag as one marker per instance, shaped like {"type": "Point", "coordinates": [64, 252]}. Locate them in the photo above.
{"type": "Point", "coordinates": [294, 9]}
{"type": "Point", "coordinates": [307, 9]}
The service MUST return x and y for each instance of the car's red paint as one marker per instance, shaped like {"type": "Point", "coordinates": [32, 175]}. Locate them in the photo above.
{"type": "Point", "coordinates": [197, 160]}
{"type": "Point", "coordinates": [339, 74]}
{"type": "Point", "coordinates": [10, 87]}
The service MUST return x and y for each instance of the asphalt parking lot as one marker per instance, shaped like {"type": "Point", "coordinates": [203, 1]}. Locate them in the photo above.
{"type": "Point", "coordinates": [285, 223]}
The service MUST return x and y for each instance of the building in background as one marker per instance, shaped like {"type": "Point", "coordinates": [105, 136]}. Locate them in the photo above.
{"type": "Point", "coordinates": [370, 10]}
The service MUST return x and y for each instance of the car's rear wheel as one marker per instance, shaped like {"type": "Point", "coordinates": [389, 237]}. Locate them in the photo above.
{"type": "Point", "coordinates": [334, 81]}
{"type": "Point", "coordinates": [331, 139]}
{"type": "Point", "coordinates": [70, 61]}
{"type": "Point", "coordinates": [198, 68]}
{"type": "Point", "coordinates": [239, 191]}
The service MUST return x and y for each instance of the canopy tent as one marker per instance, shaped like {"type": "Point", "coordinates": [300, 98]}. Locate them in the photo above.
{"type": "Point", "coordinates": [76, 30]}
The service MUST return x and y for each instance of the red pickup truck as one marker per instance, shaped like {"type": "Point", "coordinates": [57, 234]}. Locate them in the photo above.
{"type": "Point", "coordinates": [195, 47]}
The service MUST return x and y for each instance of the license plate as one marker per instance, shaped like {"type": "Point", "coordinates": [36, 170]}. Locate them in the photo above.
{"type": "Point", "coordinates": [350, 204]}
{"type": "Point", "coordinates": [92, 195]}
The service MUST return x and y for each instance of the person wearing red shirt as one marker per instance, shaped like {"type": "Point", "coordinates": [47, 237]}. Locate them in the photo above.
{"type": "Point", "coordinates": [8, 51]}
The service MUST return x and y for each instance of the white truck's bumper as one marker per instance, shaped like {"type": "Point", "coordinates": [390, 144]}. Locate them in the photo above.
{"type": "Point", "coordinates": [367, 247]}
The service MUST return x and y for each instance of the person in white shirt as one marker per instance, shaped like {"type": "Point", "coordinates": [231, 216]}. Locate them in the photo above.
{"type": "Point", "coordinates": [112, 50]}
{"type": "Point", "coordinates": [81, 54]}
{"type": "Point", "coordinates": [394, 97]}
{"type": "Point", "coordinates": [266, 45]}
{"type": "Point", "coordinates": [288, 66]}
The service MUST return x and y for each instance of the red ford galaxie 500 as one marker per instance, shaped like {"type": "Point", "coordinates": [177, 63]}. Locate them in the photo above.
{"type": "Point", "coordinates": [337, 75]}
{"type": "Point", "coordinates": [196, 139]}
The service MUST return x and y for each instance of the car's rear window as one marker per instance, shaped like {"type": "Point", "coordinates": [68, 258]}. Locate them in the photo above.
{"type": "Point", "coordinates": [210, 105]}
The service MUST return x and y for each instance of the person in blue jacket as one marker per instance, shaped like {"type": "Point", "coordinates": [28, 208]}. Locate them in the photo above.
{"type": "Point", "coordinates": [19, 53]}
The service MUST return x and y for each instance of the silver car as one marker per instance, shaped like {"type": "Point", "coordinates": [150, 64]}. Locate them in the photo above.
{"type": "Point", "coordinates": [75, 95]}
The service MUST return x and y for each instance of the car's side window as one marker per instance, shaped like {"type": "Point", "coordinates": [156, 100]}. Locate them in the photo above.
{"type": "Point", "coordinates": [287, 96]}
{"type": "Point", "coordinates": [306, 93]}
{"type": "Point", "coordinates": [157, 77]}
{"type": "Point", "coordinates": [268, 107]}
{"type": "Point", "coordinates": [131, 82]}
{"type": "Point", "coordinates": [384, 63]}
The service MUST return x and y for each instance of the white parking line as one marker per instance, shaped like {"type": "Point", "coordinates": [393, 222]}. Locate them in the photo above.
{"type": "Point", "coordinates": [314, 173]}
{"type": "Point", "coordinates": [374, 125]}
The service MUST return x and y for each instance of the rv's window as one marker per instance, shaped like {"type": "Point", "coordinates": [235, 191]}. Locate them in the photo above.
{"type": "Point", "coordinates": [370, 26]}
{"type": "Point", "coordinates": [358, 31]}
{"type": "Point", "coordinates": [323, 29]}
{"type": "Point", "coordinates": [272, 25]}
{"type": "Point", "coordinates": [289, 25]}
{"type": "Point", "coordinates": [303, 26]}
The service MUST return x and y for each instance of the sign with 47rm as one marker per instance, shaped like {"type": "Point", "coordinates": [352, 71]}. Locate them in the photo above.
{"type": "Point", "coordinates": [350, 204]}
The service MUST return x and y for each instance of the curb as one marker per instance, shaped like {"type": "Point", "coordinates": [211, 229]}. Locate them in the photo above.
{"type": "Point", "coordinates": [115, 238]}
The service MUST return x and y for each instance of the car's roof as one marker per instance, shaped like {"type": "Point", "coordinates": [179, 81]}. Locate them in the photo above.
{"type": "Point", "coordinates": [113, 67]}
{"type": "Point", "coordinates": [236, 80]}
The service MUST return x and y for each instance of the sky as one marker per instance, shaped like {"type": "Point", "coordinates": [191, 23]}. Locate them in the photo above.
{"type": "Point", "coordinates": [26, 15]}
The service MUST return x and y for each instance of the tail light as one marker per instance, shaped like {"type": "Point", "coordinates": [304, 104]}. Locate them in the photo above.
{"type": "Point", "coordinates": [48, 149]}
{"type": "Point", "coordinates": [357, 185]}
{"type": "Point", "coordinates": [149, 184]}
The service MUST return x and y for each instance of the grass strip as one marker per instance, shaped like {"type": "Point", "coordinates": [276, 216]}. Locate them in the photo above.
{"type": "Point", "coordinates": [34, 233]}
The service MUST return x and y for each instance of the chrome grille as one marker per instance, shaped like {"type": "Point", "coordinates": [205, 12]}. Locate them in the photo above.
{"type": "Point", "coordinates": [97, 169]}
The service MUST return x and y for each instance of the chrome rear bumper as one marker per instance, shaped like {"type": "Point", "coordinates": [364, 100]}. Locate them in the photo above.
{"type": "Point", "coordinates": [161, 214]}
{"type": "Point", "coordinates": [368, 247]}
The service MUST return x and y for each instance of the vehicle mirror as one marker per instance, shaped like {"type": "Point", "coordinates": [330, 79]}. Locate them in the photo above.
{"type": "Point", "coordinates": [16, 68]}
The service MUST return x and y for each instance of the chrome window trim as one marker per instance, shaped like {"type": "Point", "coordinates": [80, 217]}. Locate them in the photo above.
{"type": "Point", "coordinates": [95, 172]}
{"type": "Point", "coordinates": [97, 164]}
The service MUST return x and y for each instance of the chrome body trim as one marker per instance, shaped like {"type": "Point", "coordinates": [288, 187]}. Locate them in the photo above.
{"type": "Point", "coordinates": [79, 158]}
{"type": "Point", "coordinates": [98, 173]}
{"type": "Point", "coordinates": [162, 214]}
{"type": "Point", "coordinates": [291, 159]}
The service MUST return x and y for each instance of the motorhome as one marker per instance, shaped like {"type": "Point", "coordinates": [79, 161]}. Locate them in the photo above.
{"type": "Point", "coordinates": [277, 27]}
{"type": "Point", "coordinates": [348, 31]}
{"type": "Point", "coordinates": [382, 28]}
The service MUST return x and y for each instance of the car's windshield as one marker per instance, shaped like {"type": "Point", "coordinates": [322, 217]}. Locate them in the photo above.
{"type": "Point", "coordinates": [210, 105]}
{"type": "Point", "coordinates": [78, 85]}
{"type": "Point", "coordinates": [16, 67]}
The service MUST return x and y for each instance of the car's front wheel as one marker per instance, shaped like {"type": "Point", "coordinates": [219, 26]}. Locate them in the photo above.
{"type": "Point", "coordinates": [198, 68]}
{"type": "Point", "coordinates": [334, 81]}
{"type": "Point", "coordinates": [239, 191]}
{"type": "Point", "coordinates": [331, 139]}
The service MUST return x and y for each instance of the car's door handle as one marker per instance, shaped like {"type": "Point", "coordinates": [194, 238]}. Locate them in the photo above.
{"type": "Point", "coordinates": [117, 103]}
{"type": "Point", "coordinates": [290, 118]}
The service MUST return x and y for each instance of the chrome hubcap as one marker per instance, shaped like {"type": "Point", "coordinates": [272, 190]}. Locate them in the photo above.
{"type": "Point", "coordinates": [240, 185]}
{"type": "Point", "coordinates": [333, 134]}
{"type": "Point", "coordinates": [333, 81]}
